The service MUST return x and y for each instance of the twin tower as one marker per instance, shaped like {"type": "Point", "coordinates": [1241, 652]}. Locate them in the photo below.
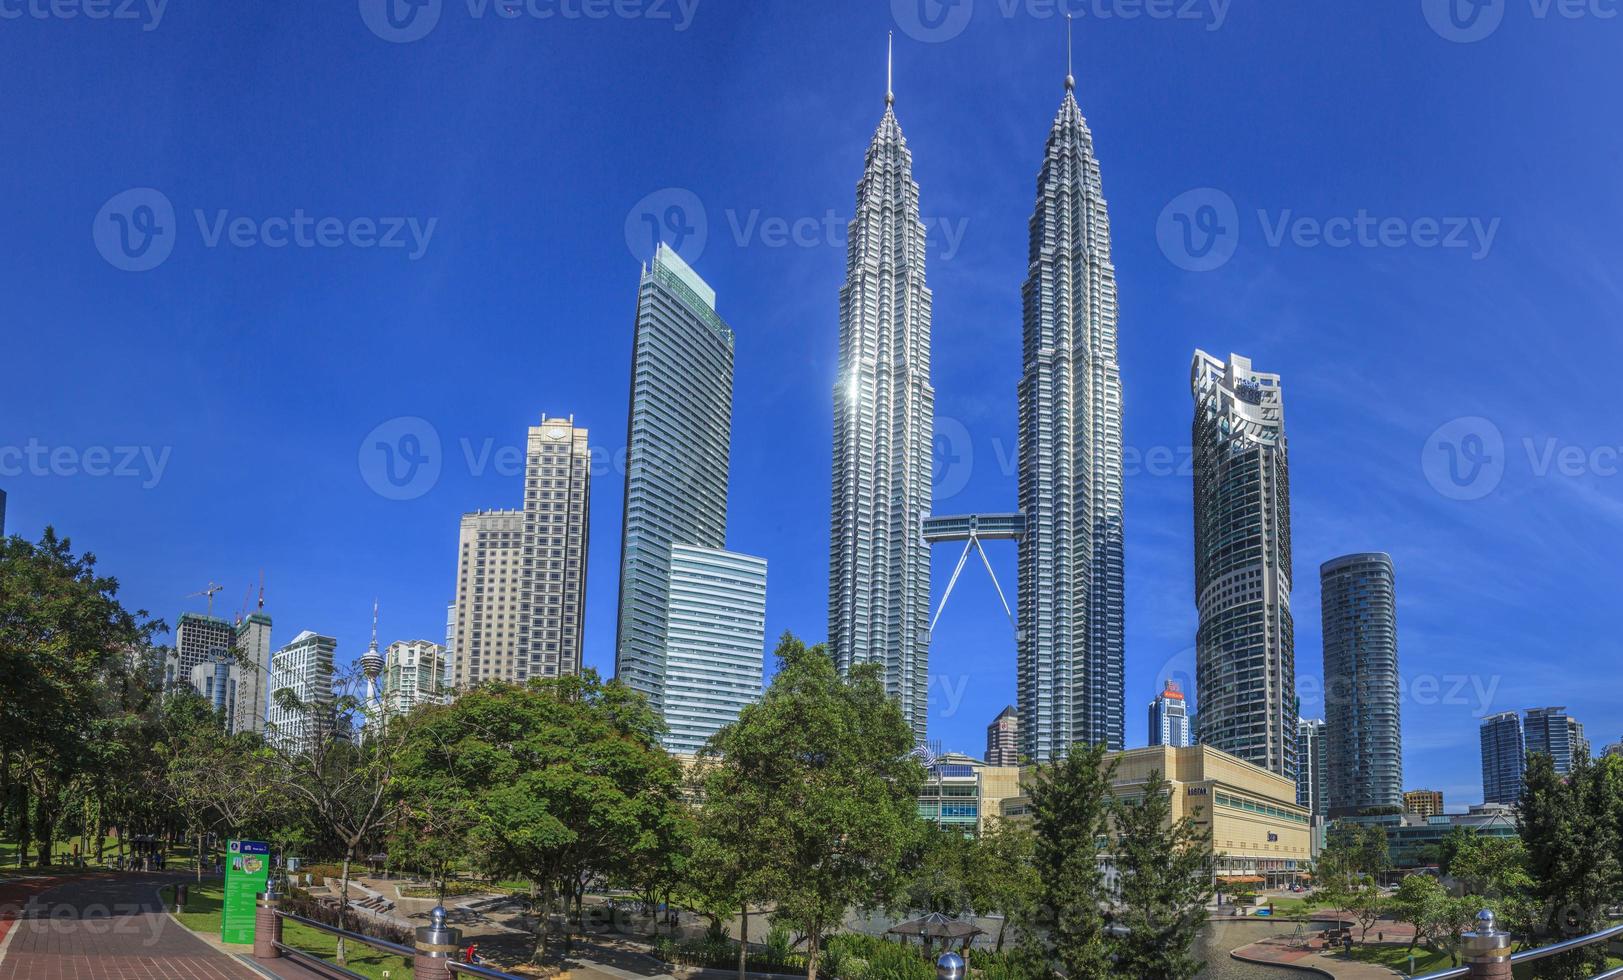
{"type": "Point", "coordinates": [1070, 598]}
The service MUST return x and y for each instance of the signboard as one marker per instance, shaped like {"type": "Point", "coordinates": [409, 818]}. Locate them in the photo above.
{"type": "Point", "coordinates": [247, 871]}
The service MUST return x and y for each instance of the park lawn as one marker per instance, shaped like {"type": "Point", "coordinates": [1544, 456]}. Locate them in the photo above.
{"type": "Point", "coordinates": [203, 911]}
{"type": "Point", "coordinates": [1397, 958]}
{"type": "Point", "coordinates": [1297, 906]}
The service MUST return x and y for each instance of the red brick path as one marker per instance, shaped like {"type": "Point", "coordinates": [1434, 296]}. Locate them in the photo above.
{"type": "Point", "coordinates": [102, 927]}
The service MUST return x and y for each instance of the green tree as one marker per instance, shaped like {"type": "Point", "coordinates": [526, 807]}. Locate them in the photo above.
{"type": "Point", "coordinates": [65, 644]}
{"type": "Point", "coordinates": [1568, 827]}
{"type": "Point", "coordinates": [1003, 875]}
{"type": "Point", "coordinates": [936, 871]}
{"type": "Point", "coordinates": [1165, 868]}
{"type": "Point", "coordinates": [834, 757]}
{"type": "Point", "coordinates": [564, 776]}
{"type": "Point", "coordinates": [1070, 804]}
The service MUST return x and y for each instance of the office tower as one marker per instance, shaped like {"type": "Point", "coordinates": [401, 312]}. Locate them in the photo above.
{"type": "Point", "coordinates": [1503, 758]}
{"type": "Point", "coordinates": [1423, 802]}
{"type": "Point", "coordinates": [1363, 739]}
{"type": "Point", "coordinates": [676, 459]}
{"type": "Point", "coordinates": [1245, 654]}
{"type": "Point", "coordinates": [715, 641]}
{"type": "Point", "coordinates": [253, 662]}
{"type": "Point", "coordinates": [1556, 734]}
{"type": "Point", "coordinates": [884, 417]}
{"type": "Point", "coordinates": [304, 669]}
{"type": "Point", "coordinates": [552, 583]}
{"type": "Point", "coordinates": [1071, 581]}
{"type": "Point", "coordinates": [1310, 784]}
{"type": "Point", "coordinates": [413, 674]}
{"type": "Point", "coordinates": [197, 639]}
{"type": "Point", "coordinates": [1169, 718]}
{"type": "Point", "coordinates": [490, 550]}
{"type": "Point", "coordinates": [1003, 739]}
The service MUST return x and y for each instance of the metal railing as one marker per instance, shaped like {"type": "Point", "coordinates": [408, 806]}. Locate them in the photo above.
{"type": "Point", "coordinates": [435, 941]}
{"type": "Point", "coordinates": [1487, 942]}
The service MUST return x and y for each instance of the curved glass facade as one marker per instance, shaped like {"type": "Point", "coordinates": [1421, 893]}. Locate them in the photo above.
{"type": "Point", "coordinates": [1363, 735]}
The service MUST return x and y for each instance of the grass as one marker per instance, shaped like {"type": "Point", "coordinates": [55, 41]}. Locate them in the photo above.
{"type": "Point", "coordinates": [203, 911]}
{"type": "Point", "coordinates": [1397, 958]}
{"type": "Point", "coordinates": [1296, 906]}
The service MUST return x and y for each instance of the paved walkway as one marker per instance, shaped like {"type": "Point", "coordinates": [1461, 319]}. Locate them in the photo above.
{"type": "Point", "coordinates": [106, 927]}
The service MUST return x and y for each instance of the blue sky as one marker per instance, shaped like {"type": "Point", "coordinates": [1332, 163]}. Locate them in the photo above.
{"type": "Point", "coordinates": [1467, 300]}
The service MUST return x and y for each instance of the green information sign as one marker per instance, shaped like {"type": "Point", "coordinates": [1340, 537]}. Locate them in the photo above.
{"type": "Point", "coordinates": [247, 870]}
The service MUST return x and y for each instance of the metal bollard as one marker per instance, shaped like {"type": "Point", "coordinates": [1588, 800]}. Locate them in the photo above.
{"type": "Point", "coordinates": [267, 926]}
{"type": "Point", "coordinates": [180, 898]}
{"type": "Point", "coordinates": [949, 966]}
{"type": "Point", "coordinates": [436, 944]}
{"type": "Point", "coordinates": [1487, 950]}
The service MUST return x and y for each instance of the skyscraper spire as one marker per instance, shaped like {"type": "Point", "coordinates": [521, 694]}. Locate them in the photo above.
{"type": "Point", "coordinates": [1070, 77]}
{"type": "Point", "coordinates": [890, 63]}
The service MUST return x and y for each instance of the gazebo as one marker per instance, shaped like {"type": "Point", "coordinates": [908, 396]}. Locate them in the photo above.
{"type": "Point", "coordinates": [934, 926]}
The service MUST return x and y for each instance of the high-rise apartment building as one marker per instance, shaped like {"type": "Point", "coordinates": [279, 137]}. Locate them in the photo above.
{"type": "Point", "coordinates": [1363, 737]}
{"type": "Point", "coordinates": [1310, 782]}
{"type": "Point", "coordinates": [197, 639]}
{"type": "Point", "coordinates": [413, 674]}
{"type": "Point", "coordinates": [1503, 758]}
{"type": "Point", "coordinates": [552, 583]}
{"type": "Point", "coordinates": [304, 669]}
{"type": "Point", "coordinates": [678, 446]}
{"type": "Point", "coordinates": [1169, 718]}
{"type": "Point", "coordinates": [1556, 734]}
{"type": "Point", "coordinates": [1070, 656]}
{"type": "Point", "coordinates": [714, 639]}
{"type": "Point", "coordinates": [1003, 739]}
{"type": "Point", "coordinates": [217, 680]}
{"type": "Point", "coordinates": [1423, 802]}
{"type": "Point", "coordinates": [521, 575]}
{"type": "Point", "coordinates": [884, 418]}
{"type": "Point", "coordinates": [1245, 650]}
{"type": "Point", "coordinates": [490, 550]}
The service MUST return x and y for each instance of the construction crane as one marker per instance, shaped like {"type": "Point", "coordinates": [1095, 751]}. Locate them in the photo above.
{"type": "Point", "coordinates": [212, 588]}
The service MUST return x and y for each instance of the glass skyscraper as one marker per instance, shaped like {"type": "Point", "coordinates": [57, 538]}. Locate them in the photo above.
{"type": "Point", "coordinates": [884, 418]}
{"type": "Point", "coordinates": [678, 444]}
{"type": "Point", "coordinates": [1503, 756]}
{"type": "Point", "coordinates": [715, 631]}
{"type": "Point", "coordinates": [1245, 649]}
{"type": "Point", "coordinates": [1071, 579]}
{"type": "Point", "coordinates": [1556, 734]}
{"type": "Point", "coordinates": [1363, 737]}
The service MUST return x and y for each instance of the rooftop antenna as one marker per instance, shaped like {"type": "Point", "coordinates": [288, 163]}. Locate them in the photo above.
{"type": "Point", "coordinates": [890, 61]}
{"type": "Point", "coordinates": [1070, 79]}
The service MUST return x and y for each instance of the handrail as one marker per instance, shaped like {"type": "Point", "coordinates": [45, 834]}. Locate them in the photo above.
{"type": "Point", "coordinates": [372, 941]}
{"type": "Point", "coordinates": [316, 962]}
{"type": "Point", "coordinates": [479, 971]}
{"type": "Point", "coordinates": [1543, 952]}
